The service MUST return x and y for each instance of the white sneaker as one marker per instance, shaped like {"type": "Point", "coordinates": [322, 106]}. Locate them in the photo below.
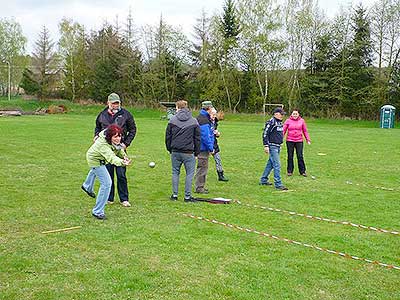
{"type": "Point", "coordinates": [126, 203]}
{"type": "Point", "coordinates": [110, 202]}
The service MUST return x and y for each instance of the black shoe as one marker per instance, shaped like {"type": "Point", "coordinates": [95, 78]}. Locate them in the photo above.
{"type": "Point", "coordinates": [90, 194]}
{"type": "Point", "coordinates": [201, 191]}
{"type": "Point", "coordinates": [265, 183]}
{"type": "Point", "coordinates": [173, 198]}
{"type": "Point", "coordinates": [221, 176]}
{"type": "Point", "coordinates": [191, 199]}
{"type": "Point", "coordinates": [282, 188]}
{"type": "Point", "coordinates": [100, 217]}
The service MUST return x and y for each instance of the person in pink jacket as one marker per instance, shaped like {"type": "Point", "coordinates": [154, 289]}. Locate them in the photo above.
{"type": "Point", "coordinates": [295, 127]}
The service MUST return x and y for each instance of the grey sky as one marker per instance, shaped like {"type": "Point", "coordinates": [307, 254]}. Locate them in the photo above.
{"type": "Point", "coordinates": [33, 14]}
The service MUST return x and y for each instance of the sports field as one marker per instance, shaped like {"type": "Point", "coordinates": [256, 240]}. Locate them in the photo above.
{"type": "Point", "coordinates": [153, 251]}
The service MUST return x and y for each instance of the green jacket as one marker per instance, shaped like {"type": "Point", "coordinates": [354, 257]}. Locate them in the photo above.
{"type": "Point", "coordinates": [102, 152]}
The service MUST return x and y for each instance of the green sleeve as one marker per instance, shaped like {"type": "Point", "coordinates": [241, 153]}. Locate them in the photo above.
{"type": "Point", "coordinates": [121, 153]}
{"type": "Point", "coordinates": [110, 157]}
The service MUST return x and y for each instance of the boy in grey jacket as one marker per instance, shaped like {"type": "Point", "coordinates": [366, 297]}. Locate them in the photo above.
{"type": "Point", "coordinates": [182, 140]}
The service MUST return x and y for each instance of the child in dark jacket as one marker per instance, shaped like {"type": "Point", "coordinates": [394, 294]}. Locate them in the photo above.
{"type": "Point", "coordinates": [272, 140]}
{"type": "Point", "coordinates": [216, 154]}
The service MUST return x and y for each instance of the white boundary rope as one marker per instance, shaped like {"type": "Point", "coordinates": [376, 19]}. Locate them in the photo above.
{"type": "Point", "coordinates": [372, 187]}
{"type": "Point", "coordinates": [389, 266]}
{"type": "Point", "coordinates": [292, 213]}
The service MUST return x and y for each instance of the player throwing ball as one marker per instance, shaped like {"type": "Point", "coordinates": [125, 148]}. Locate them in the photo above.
{"type": "Point", "coordinates": [106, 149]}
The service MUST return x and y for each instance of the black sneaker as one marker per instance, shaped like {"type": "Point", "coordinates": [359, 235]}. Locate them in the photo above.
{"type": "Point", "coordinates": [265, 183]}
{"type": "Point", "coordinates": [282, 188]}
{"type": "Point", "coordinates": [173, 198]}
{"type": "Point", "coordinates": [100, 217]}
{"type": "Point", "coordinates": [90, 194]}
{"type": "Point", "coordinates": [191, 199]}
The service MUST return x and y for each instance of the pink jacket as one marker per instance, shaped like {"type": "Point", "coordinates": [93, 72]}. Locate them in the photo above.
{"type": "Point", "coordinates": [295, 129]}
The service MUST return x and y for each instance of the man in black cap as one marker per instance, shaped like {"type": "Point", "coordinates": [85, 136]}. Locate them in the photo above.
{"type": "Point", "coordinates": [115, 114]}
{"type": "Point", "coordinates": [272, 140]}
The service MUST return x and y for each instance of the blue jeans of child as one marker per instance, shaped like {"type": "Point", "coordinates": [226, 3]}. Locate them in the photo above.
{"type": "Point", "coordinates": [105, 186]}
{"type": "Point", "coordinates": [188, 160]}
{"type": "Point", "coordinates": [275, 164]}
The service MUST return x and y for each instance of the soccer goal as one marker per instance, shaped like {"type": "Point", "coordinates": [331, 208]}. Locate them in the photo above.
{"type": "Point", "coordinates": [267, 107]}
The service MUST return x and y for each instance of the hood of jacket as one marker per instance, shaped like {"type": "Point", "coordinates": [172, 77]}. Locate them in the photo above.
{"type": "Point", "coordinates": [183, 114]}
{"type": "Point", "coordinates": [293, 119]}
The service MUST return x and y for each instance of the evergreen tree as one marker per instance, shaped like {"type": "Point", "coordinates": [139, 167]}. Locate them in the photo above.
{"type": "Point", "coordinates": [317, 98]}
{"type": "Point", "coordinates": [28, 83]}
{"type": "Point", "coordinates": [229, 27]}
{"type": "Point", "coordinates": [104, 59]}
{"type": "Point", "coordinates": [360, 66]}
{"type": "Point", "coordinates": [44, 65]}
{"type": "Point", "coordinates": [131, 68]}
{"type": "Point", "coordinates": [229, 21]}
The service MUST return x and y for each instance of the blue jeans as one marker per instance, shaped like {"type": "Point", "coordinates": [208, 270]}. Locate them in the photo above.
{"type": "Point", "coordinates": [275, 164]}
{"type": "Point", "coordinates": [105, 186]}
{"type": "Point", "coordinates": [188, 160]}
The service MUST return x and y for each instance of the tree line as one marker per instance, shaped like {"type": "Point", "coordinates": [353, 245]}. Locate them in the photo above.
{"type": "Point", "coordinates": [254, 52]}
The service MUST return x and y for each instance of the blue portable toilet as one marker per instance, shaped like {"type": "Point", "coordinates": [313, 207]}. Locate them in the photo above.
{"type": "Point", "coordinates": [388, 113]}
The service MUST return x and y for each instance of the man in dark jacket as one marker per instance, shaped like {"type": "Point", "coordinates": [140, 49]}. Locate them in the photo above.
{"type": "Point", "coordinates": [272, 139]}
{"type": "Point", "coordinates": [207, 146]}
{"type": "Point", "coordinates": [115, 114]}
{"type": "Point", "coordinates": [182, 139]}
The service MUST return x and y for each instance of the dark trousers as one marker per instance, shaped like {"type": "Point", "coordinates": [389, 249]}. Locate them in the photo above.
{"type": "Point", "coordinates": [299, 153]}
{"type": "Point", "coordinates": [202, 170]}
{"type": "Point", "coordinates": [122, 183]}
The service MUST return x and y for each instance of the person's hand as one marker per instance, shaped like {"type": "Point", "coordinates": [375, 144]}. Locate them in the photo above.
{"type": "Point", "coordinates": [123, 146]}
{"type": "Point", "coordinates": [266, 149]}
{"type": "Point", "coordinates": [309, 142]}
{"type": "Point", "coordinates": [212, 152]}
{"type": "Point", "coordinates": [126, 161]}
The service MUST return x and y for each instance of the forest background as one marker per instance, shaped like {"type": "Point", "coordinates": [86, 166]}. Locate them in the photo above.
{"type": "Point", "coordinates": [251, 53]}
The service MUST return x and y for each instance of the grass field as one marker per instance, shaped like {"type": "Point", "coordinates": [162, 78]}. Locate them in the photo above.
{"type": "Point", "coordinates": [152, 251]}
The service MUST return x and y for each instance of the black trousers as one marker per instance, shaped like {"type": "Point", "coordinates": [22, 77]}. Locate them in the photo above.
{"type": "Point", "coordinates": [299, 153]}
{"type": "Point", "coordinates": [122, 183]}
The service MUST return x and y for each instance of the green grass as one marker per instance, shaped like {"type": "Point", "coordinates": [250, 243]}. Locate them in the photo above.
{"type": "Point", "coordinates": [150, 251]}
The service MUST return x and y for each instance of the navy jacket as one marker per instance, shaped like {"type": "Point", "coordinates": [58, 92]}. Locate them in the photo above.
{"type": "Point", "coordinates": [207, 131]}
{"type": "Point", "coordinates": [183, 133]}
{"type": "Point", "coordinates": [273, 132]}
{"type": "Point", "coordinates": [123, 119]}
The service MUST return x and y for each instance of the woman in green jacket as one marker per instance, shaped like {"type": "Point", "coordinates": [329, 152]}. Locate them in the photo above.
{"type": "Point", "coordinates": [106, 149]}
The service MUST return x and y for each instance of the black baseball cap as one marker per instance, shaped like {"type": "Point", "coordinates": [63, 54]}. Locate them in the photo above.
{"type": "Point", "coordinates": [279, 110]}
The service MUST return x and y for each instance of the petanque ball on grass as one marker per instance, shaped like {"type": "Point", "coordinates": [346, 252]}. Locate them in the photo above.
{"type": "Point", "coordinates": [312, 177]}
{"type": "Point", "coordinates": [152, 164]}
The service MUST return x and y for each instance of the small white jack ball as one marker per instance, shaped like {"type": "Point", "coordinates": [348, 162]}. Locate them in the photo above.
{"type": "Point", "coordinates": [152, 164]}
{"type": "Point", "coordinates": [312, 177]}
